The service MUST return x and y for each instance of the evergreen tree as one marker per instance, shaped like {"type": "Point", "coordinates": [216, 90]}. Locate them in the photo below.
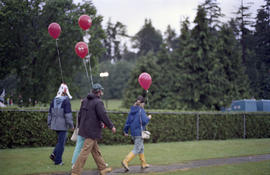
{"type": "Point", "coordinates": [128, 55]}
{"type": "Point", "coordinates": [176, 64]}
{"type": "Point", "coordinates": [235, 83]}
{"type": "Point", "coordinates": [262, 50]}
{"type": "Point", "coordinates": [147, 39]}
{"type": "Point", "coordinates": [242, 25]}
{"type": "Point", "coordinates": [114, 34]}
{"type": "Point", "coordinates": [170, 39]}
{"type": "Point", "coordinates": [115, 83]}
{"type": "Point", "coordinates": [201, 72]}
{"type": "Point", "coordinates": [213, 13]}
{"type": "Point", "coordinates": [184, 39]}
{"type": "Point", "coordinates": [147, 64]}
{"type": "Point", "coordinates": [166, 97]}
{"type": "Point", "coordinates": [244, 21]}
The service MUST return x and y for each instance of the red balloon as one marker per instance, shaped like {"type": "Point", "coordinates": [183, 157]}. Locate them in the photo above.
{"type": "Point", "coordinates": [54, 30]}
{"type": "Point", "coordinates": [85, 22]}
{"type": "Point", "coordinates": [145, 80]}
{"type": "Point", "coordinates": [81, 49]}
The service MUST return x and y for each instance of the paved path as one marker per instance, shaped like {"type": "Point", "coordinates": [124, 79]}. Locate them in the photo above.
{"type": "Point", "coordinates": [183, 166]}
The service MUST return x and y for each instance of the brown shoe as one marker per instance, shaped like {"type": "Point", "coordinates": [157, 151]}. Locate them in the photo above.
{"type": "Point", "coordinates": [106, 170]}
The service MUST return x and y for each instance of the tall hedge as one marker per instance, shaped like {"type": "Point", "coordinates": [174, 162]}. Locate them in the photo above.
{"type": "Point", "coordinates": [29, 128]}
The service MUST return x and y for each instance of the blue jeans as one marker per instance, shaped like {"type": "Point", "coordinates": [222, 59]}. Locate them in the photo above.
{"type": "Point", "coordinates": [77, 150]}
{"type": "Point", "coordinates": [59, 147]}
{"type": "Point", "coordinates": [138, 145]}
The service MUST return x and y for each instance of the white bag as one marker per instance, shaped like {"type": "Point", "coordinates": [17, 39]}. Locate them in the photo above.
{"type": "Point", "coordinates": [75, 135]}
{"type": "Point", "coordinates": [146, 134]}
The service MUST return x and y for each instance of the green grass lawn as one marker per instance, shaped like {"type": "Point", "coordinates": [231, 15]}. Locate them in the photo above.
{"type": "Point", "coordinates": [36, 160]}
{"type": "Point", "coordinates": [112, 104]}
{"type": "Point", "coordinates": [254, 168]}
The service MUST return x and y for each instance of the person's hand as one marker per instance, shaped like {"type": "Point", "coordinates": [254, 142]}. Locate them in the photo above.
{"type": "Point", "coordinates": [149, 116]}
{"type": "Point", "coordinates": [113, 130]}
{"type": "Point", "coordinates": [125, 134]}
{"type": "Point", "coordinates": [102, 125]}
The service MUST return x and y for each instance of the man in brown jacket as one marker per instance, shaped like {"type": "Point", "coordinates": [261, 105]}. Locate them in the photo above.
{"type": "Point", "coordinates": [91, 116]}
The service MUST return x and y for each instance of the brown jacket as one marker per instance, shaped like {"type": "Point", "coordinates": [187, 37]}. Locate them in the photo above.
{"type": "Point", "coordinates": [92, 114]}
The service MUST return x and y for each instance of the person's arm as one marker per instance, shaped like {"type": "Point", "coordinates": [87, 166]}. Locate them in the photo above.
{"type": "Point", "coordinates": [49, 118]}
{"type": "Point", "coordinates": [79, 115]}
{"type": "Point", "coordinates": [144, 117]}
{"type": "Point", "coordinates": [102, 114]}
{"type": "Point", "coordinates": [68, 114]}
{"type": "Point", "coordinates": [127, 125]}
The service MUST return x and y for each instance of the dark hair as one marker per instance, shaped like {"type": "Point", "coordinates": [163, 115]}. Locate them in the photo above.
{"type": "Point", "coordinates": [140, 98]}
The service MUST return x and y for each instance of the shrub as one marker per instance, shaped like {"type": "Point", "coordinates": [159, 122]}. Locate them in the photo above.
{"type": "Point", "coordinates": [29, 128]}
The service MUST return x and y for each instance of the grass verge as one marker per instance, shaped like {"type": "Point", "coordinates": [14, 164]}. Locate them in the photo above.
{"type": "Point", "coordinates": [36, 160]}
{"type": "Point", "coordinates": [254, 168]}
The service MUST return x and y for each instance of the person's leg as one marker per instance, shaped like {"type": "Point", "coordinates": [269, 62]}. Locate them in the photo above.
{"type": "Point", "coordinates": [59, 148]}
{"type": "Point", "coordinates": [138, 145]}
{"type": "Point", "coordinates": [52, 156]}
{"type": "Point", "coordinates": [127, 159]}
{"type": "Point", "coordinates": [86, 150]}
{"type": "Point", "coordinates": [143, 161]}
{"type": "Point", "coordinates": [98, 157]}
{"type": "Point", "coordinates": [141, 153]}
{"type": "Point", "coordinates": [132, 154]}
{"type": "Point", "coordinates": [77, 150]}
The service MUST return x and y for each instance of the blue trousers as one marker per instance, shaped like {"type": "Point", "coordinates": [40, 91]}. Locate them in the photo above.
{"type": "Point", "coordinates": [77, 150]}
{"type": "Point", "coordinates": [59, 147]}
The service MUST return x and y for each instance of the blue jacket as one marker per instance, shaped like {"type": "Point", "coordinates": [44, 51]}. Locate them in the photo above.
{"type": "Point", "coordinates": [60, 115]}
{"type": "Point", "coordinates": [133, 121]}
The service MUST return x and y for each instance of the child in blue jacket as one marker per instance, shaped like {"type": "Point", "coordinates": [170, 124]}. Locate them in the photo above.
{"type": "Point", "coordinates": [136, 121]}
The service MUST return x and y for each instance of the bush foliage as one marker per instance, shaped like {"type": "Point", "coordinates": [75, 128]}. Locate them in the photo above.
{"type": "Point", "coordinates": [29, 128]}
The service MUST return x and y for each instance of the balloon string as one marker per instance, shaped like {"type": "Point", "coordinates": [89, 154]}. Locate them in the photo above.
{"type": "Point", "coordinates": [84, 63]}
{"type": "Point", "coordinates": [90, 68]}
{"type": "Point", "coordinates": [90, 71]}
{"type": "Point", "coordinates": [147, 98]}
{"type": "Point", "coordinates": [59, 60]}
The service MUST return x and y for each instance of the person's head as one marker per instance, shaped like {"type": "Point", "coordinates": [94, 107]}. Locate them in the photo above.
{"type": "Point", "coordinates": [63, 91]}
{"type": "Point", "coordinates": [97, 89]}
{"type": "Point", "coordinates": [140, 101]}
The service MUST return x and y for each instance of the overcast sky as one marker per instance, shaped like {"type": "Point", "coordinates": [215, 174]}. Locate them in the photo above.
{"type": "Point", "coordinates": [132, 13]}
